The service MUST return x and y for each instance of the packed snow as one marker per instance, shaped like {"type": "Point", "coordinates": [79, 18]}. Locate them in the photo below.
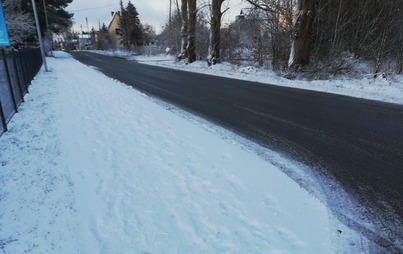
{"type": "Point", "coordinates": [90, 165]}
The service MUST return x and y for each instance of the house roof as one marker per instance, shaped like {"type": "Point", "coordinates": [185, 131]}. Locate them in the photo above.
{"type": "Point", "coordinates": [116, 17]}
{"type": "Point", "coordinates": [84, 36]}
{"type": "Point", "coordinates": [253, 13]}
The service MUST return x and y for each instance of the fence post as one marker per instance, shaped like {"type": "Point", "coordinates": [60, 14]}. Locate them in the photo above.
{"type": "Point", "coordinates": [3, 118]}
{"type": "Point", "coordinates": [21, 71]}
{"type": "Point", "coordinates": [9, 80]}
{"type": "Point", "coordinates": [18, 76]}
{"type": "Point", "coordinates": [25, 70]}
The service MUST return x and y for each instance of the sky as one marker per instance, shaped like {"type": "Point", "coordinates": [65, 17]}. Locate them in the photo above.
{"type": "Point", "coordinates": [152, 12]}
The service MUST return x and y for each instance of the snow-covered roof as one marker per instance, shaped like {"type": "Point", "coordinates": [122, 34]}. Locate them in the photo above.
{"type": "Point", "coordinates": [253, 13]}
{"type": "Point", "coordinates": [84, 36]}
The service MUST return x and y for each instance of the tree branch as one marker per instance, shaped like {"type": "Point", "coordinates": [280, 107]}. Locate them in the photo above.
{"type": "Point", "coordinates": [261, 6]}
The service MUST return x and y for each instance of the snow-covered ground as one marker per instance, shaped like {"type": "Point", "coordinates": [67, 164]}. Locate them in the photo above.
{"type": "Point", "coordinates": [364, 86]}
{"type": "Point", "coordinates": [381, 89]}
{"type": "Point", "coordinates": [90, 165]}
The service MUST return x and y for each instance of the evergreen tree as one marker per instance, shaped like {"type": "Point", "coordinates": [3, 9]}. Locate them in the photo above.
{"type": "Point", "coordinates": [59, 19]}
{"type": "Point", "coordinates": [20, 24]}
{"type": "Point", "coordinates": [104, 39]}
{"type": "Point", "coordinates": [131, 26]}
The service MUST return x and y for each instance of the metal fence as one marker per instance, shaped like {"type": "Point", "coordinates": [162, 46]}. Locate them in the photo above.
{"type": "Point", "coordinates": [17, 70]}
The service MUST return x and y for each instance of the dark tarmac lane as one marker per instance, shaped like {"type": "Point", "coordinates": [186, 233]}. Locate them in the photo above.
{"type": "Point", "coordinates": [359, 143]}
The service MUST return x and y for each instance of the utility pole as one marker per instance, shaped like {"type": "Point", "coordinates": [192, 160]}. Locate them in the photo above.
{"type": "Point", "coordinates": [38, 30]}
{"type": "Point", "coordinates": [170, 12]}
{"type": "Point", "coordinates": [80, 43]}
{"type": "Point", "coordinates": [48, 32]}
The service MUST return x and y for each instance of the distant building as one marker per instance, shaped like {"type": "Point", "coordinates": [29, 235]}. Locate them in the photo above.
{"type": "Point", "coordinates": [84, 42]}
{"type": "Point", "coordinates": [251, 24]}
{"type": "Point", "coordinates": [114, 30]}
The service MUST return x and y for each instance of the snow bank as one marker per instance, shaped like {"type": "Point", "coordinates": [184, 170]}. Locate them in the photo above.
{"type": "Point", "coordinates": [381, 89]}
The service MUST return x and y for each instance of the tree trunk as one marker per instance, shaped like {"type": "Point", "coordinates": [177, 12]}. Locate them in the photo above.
{"type": "Point", "coordinates": [336, 30]}
{"type": "Point", "coordinates": [184, 30]}
{"type": "Point", "coordinates": [301, 41]}
{"type": "Point", "coordinates": [399, 69]}
{"type": "Point", "coordinates": [215, 35]}
{"type": "Point", "coordinates": [379, 56]}
{"type": "Point", "coordinates": [191, 48]}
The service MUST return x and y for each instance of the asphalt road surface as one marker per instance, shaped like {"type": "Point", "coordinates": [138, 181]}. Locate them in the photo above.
{"type": "Point", "coordinates": [359, 143]}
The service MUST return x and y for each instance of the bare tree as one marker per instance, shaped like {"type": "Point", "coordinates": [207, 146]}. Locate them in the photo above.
{"type": "Point", "coordinates": [188, 37]}
{"type": "Point", "coordinates": [399, 56]}
{"type": "Point", "coordinates": [184, 30]}
{"type": "Point", "coordinates": [334, 32]}
{"type": "Point", "coordinates": [171, 36]}
{"type": "Point", "coordinates": [282, 11]}
{"type": "Point", "coordinates": [191, 46]}
{"type": "Point", "coordinates": [202, 32]}
{"type": "Point", "coordinates": [273, 36]}
{"type": "Point", "coordinates": [301, 39]}
{"type": "Point", "coordinates": [265, 5]}
{"type": "Point", "coordinates": [369, 30]}
{"type": "Point", "coordinates": [215, 31]}
{"type": "Point", "coordinates": [280, 27]}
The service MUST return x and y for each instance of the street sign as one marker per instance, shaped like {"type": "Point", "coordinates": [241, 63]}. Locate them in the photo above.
{"type": "Point", "coordinates": [4, 40]}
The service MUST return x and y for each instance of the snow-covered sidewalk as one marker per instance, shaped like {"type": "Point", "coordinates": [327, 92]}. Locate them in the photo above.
{"type": "Point", "coordinates": [90, 165]}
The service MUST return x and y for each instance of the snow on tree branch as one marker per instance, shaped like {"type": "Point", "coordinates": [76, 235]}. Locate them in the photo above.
{"type": "Point", "coordinates": [20, 25]}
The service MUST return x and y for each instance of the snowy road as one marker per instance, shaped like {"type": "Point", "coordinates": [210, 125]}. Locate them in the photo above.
{"type": "Point", "coordinates": [357, 143]}
{"type": "Point", "coordinates": [92, 166]}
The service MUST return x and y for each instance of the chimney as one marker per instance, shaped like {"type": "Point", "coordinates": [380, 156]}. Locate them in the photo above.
{"type": "Point", "coordinates": [112, 12]}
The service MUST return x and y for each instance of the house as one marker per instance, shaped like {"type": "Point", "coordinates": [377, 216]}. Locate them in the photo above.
{"type": "Point", "coordinates": [114, 30]}
{"type": "Point", "coordinates": [84, 42]}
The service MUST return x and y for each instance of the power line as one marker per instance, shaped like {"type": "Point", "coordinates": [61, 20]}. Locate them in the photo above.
{"type": "Point", "coordinates": [94, 8]}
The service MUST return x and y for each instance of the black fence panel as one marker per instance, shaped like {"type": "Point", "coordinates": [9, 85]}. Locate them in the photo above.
{"type": "Point", "coordinates": [17, 70]}
{"type": "Point", "coordinates": [14, 80]}
{"type": "Point", "coordinates": [5, 93]}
